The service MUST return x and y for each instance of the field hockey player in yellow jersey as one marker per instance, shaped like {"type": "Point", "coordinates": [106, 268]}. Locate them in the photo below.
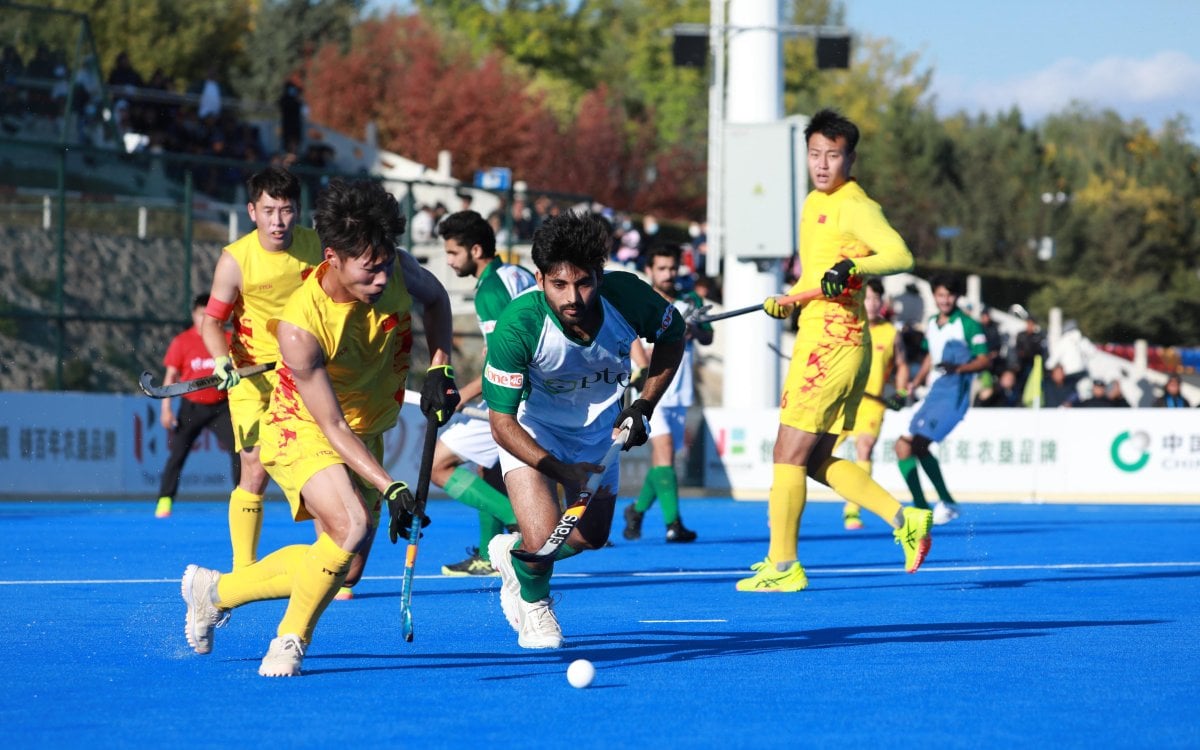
{"type": "Point", "coordinates": [843, 233]}
{"type": "Point", "coordinates": [345, 338]}
{"type": "Point", "coordinates": [887, 360]}
{"type": "Point", "coordinates": [254, 277]}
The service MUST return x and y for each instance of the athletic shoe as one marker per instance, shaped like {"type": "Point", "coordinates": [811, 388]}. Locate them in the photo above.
{"type": "Point", "coordinates": [474, 565]}
{"type": "Point", "coordinates": [852, 519]}
{"type": "Point", "coordinates": [676, 532]}
{"type": "Point", "coordinates": [344, 594]}
{"type": "Point", "coordinates": [202, 615]}
{"type": "Point", "coordinates": [163, 509]}
{"type": "Point", "coordinates": [944, 513]}
{"type": "Point", "coordinates": [769, 578]}
{"type": "Point", "coordinates": [914, 537]}
{"type": "Point", "coordinates": [539, 627]}
{"type": "Point", "coordinates": [633, 523]}
{"type": "Point", "coordinates": [284, 657]}
{"type": "Point", "coordinates": [500, 550]}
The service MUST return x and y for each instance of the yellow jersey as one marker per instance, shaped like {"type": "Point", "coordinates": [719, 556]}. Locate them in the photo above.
{"type": "Point", "coordinates": [367, 350]}
{"type": "Point", "coordinates": [268, 280]}
{"type": "Point", "coordinates": [883, 356]}
{"type": "Point", "coordinates": [844, 224]}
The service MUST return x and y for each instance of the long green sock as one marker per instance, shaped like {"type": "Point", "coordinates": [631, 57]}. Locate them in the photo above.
{"type": "Point", "coordinates": [933, 468]}
{"type": "Point", "coordinates": [666, 486]}
{"type": "Point", "coordinates": [469, 489]}
{"type": "Point", "coordinates": [648, 493]}
{"type": "Point", "coordinates": [908, 469]}
{"type": "Point", "coordinates": [566, 551]}
{"type": "Point", "coordinates": [534, 586]}
{"type": "Point", "coordinates": [489, 526]}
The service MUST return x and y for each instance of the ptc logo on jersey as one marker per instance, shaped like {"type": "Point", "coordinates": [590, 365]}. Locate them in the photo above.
{"type": "Point", "coordinates": [504, 379]}
{"type": "Point", "coordinates": [668, 316]}
{"type": "Point", "coordinates": [1130, 451]}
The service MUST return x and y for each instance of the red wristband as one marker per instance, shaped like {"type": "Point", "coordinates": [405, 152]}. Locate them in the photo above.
{"type": "Point", "coordinates": [218, 309]}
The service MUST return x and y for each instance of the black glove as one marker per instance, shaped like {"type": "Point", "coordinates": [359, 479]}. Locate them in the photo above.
{"type": "Point", "coordinates": [896, 401]}
{"type": "Point", "coordinates": [402, 507]}
{"type": "Point", "coordinates": [948, 367]}
{"type": "Point", "coordinates": [636, 419]}
{"type": "Point", "coordinates": [439, 395]}
{"type": "Point", "coordinates": [836, 279]}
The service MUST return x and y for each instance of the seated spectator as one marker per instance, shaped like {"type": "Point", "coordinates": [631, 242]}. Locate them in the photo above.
{"type": "Point", "coordinates": [1003, 393]}
{"type": "Point", "coordinates": [1099, 397]}
{"type": "Point", "coordinates": [1172, 398]}
{"type": "Point", "coordinates": [1115, 397]}
{"type": "Point", "coordinates": [1057, 391]}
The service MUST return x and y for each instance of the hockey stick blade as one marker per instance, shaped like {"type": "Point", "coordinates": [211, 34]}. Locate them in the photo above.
{"type": "Point", "coordinates": [146, 382]}
{"type": "Point", "coordinates": [570, 518]}
{"type": "Point", "coordinates": [414, 533]}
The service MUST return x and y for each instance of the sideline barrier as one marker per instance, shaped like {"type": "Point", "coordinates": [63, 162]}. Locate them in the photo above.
{"type": "Point", "coordinates": [100, 445]}
{"type": "Point", "coordinates": [1040, 455]}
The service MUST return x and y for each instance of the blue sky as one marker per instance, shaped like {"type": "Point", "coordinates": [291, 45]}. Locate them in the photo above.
{"type": "Point", "coordinates": [1140, 59]}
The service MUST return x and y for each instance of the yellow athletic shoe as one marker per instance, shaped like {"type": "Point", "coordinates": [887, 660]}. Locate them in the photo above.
{"type": "Point", "coordinates": [851, 518]}
{"type": "Point", "coordinates": [163, 509]}
{"type": "Point", "coordinates": [344, 594]}
{"type": "Point", "coordinates": [914, 537]}
{"type": "Point", "coordinates": [769, 578]}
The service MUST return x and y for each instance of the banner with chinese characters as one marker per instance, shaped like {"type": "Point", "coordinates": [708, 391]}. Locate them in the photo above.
{"type": "Point", "coordinates": [1086, 455]}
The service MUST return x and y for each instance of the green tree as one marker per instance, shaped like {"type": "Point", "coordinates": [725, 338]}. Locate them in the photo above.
{"type": "Point", "coordinates": [287, 33]}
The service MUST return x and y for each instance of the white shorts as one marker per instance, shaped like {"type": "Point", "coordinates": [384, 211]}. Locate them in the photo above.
{"type": "Point", "coordinates": [567, 448]}
{"type": "Point", "coordinates": [669, 420]}
{"type": "Point", "coordinates": [471, 440]}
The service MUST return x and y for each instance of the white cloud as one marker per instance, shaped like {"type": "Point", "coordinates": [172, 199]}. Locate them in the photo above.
{"type": "Point", "coordinates": [1152, 89]}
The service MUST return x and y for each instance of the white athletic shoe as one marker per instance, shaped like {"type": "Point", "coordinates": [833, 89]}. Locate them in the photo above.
{"type": "Point", "coordinates": [202, 615]}
{"type": "Point", "coordinates": [539, 626]}
{"type": "Point", "coordinates": [944, 513]}
{"type": "Point", "coordinates": [500, 550]}
{"type": "Point", "coordinates": [284, 657]}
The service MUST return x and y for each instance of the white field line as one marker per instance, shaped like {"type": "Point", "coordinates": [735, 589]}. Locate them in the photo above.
{"type": "Point", "coordinates": [678, 573]}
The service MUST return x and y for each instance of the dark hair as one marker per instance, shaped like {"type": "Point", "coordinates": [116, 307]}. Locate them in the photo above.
{"type": "Point", "coordinates": [468, 229]}
{"type": "Point", "coordinates": [581, 239]}
{"type": "Point", "coordinates": [200, 300]}
{"type": "Point", "coordinates": [875, 285]}
{"type": "Point", "coordinates": [664, 250]}
{"type": "Point", "coordinates": [951, 282]}
{"type": "Point", "coordinates": [276, 182]}
{"type": "Point", "coordinates": [832, 125]}
{"type": "Point", "coordinates": [358, 217]}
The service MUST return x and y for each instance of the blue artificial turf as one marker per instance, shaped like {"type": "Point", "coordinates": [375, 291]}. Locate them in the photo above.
{"type": "Point", "coordinates": [1054, 625]}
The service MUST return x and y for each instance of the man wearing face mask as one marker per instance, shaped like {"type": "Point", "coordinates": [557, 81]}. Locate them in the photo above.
{"type": "Point", "coordinates": [649, 237]}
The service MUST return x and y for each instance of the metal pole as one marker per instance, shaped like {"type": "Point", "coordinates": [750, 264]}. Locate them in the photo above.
{"type": "Point", "coordinates": [188, 208]}
{"type": "Point", "coordinates": [715, 234]}
{"type": "Point", "coordinates": [60, 248]}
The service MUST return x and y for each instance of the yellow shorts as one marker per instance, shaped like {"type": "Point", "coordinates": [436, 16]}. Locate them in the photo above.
{"type": "Point", "coordinates": [868, 420]}
{"type": "Point", "coordinates": [294, 451]}
{"type": "Point", "coordinates": [824, 387]}
{"type": "Point", "coordinates": [248, 401]}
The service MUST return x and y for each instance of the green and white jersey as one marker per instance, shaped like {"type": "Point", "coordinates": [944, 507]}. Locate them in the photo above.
{"type": "Point", "coordinates": [959, 327]}
{"type": "Point", "coordinates": [534, 369]}
{"type": "Point", "coordinates": [681, 390]}
{"type": "Point", "coordinates": [499, 283]}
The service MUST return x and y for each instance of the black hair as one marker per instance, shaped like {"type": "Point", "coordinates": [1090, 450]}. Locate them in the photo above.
{"type": "Point", "coordinates": [664, 250]}
{"type": "Point", "coordinates": [875, 285]}
{"type": "Point", "coordinates": [833, 125]}
{"type": "Point", "coordinates": [580, 239]}
{"type": "Point", "coordinates": [358, 217]}
{"type": "Point", "coordinates": [200, 300]}
{"type": "Point", "coordinates": [468, 229]}
{"type": "Point", "coordinates": [276, 182]}
{"type": "Point", "coordinates": [952, 283]}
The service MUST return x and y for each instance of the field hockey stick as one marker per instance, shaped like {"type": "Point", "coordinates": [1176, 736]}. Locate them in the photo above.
{"type": "Point", "coordinates": [146, 382]}
{"type": "Point", "coordinates": [799, 298]}
{"type": "Point", "coordinates": [414, 533]}
{"type": "Point", "coordinates": [574, 512]}
{"type": "Point", "coordinates": [474, 412]}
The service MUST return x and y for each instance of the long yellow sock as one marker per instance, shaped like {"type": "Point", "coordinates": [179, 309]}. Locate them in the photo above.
{"type": "Point", "coordinates": [785, 505]}
{"type": "Point", "coordinates": [269, 578]}
{"type": "Point", "coordinates": [321, 574]}
{"type": "Point", "coordinates": [245, 526]}
{"type": "Point", "coordinates": [853, 507]}
{"type": "Point", "coordinates": [851, 482]}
